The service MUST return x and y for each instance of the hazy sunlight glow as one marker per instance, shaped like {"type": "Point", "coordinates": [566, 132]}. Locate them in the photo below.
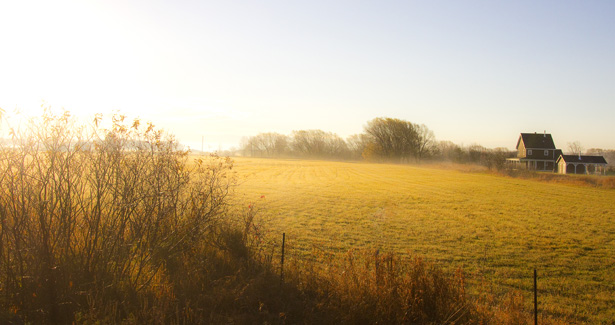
{"type": "Point", "coordinates": [472, 72]}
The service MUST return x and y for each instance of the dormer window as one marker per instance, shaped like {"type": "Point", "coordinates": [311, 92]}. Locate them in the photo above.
{"type": "Point", "coordinates": [529, 152]}
{"type": "Point", "coordinates": [546, 152]}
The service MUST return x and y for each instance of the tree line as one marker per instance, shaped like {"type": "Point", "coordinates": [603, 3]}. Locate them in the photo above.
{"type": "Point", "coordinates": [383, 139]}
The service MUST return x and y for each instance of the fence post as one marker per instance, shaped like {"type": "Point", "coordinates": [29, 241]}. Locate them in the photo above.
{"type": "Point", "coordinates": [282, 261]}
{"type": "Point", "coordinates": [376, 260]}
{"type": "Point", "coordinates": [535, 300]}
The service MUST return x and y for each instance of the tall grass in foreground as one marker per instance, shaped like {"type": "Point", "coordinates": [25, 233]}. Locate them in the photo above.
{"type": "Point", "coordinates": [95, 219]}
{"type": "Point", "coordinates": [364, 287]}
{"type": "Point", "coordinates": [368, 287]}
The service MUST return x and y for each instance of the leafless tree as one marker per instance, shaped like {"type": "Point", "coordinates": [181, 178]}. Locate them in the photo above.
{"type": "Point", "coordinates": [308, 142]}
{"type": "Point", "coordinates": [449, 151]}
{"type": "Point", "coordinates": [318, 143]}
{"type": "Point", "coordinates": [426, 142]}
{"type": "Point", "coordinates": [356, 145]}
{"type": "Point", "coordinates": [266, 145]}
{"type": "Point", "coordinates": [575, 148]}
{"type": "Point", "coordinates": [393, 138]}
{"type": "Point", "coordinates": [336, 147]}
{"type": "Point", "coordinates": [476, 153]}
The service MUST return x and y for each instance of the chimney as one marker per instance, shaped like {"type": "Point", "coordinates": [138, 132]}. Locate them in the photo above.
{"type": "Point", "coordinates": [545, 134]}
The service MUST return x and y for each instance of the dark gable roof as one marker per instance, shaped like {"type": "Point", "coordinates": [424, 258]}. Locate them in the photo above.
{"type": "Point", "coordinates": [583, 159]}
{"type": "Point", "coordinates": [557, 153]}
{"type": "Point", "coordinates": [536, 141]}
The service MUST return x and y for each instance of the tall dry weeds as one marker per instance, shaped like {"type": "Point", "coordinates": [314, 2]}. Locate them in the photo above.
{"type": "Point", "coordinates": [91, 218]}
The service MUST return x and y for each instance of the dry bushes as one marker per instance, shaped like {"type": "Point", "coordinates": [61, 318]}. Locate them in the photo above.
{"type": "Point", "coordinates": [370, 288]}
{"type": "Point", "coordinates": [94, 220]}
{"type": "Point", "coordinates": [606, 182]}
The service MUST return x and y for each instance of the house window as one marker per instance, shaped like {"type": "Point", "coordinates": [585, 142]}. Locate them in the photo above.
{"type": "Point", "coordinates": [529, 152]}
{"type": "Point", "coordinates": [546, 152]}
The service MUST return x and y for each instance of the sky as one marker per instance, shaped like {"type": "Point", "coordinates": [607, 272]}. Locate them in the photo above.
{"type": "Point", "coordinates": [474, 72]}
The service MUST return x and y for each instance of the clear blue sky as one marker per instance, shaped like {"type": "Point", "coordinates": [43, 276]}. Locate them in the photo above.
{"type": "Point", "coordinates": [472, 71]}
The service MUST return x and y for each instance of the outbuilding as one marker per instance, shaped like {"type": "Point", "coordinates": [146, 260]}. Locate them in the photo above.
{"type": "Point", "coordinates": [578, 164]}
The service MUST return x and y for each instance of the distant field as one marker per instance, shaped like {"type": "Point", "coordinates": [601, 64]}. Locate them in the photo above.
{"type": "Point", "coordinates": [498, 229]}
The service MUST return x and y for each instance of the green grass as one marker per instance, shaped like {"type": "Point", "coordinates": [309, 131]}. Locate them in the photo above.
{"type": "Point", "coordinates": [498, 229]}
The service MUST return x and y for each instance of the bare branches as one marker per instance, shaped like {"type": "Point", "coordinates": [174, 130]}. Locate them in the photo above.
{"type": "Point", "coordinates": [575, 148]}
{"type": "Point", "coordinates": [104, 208]}
{"type": "Point", "coordinates": [397, 139]}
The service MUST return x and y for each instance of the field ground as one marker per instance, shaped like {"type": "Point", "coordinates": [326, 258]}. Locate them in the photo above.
{"type": "Point", "coordinates": [498, 229]}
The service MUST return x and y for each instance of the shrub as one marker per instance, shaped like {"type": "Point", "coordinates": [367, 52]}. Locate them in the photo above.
{"type": "Point", "coordinates": [93, 219]}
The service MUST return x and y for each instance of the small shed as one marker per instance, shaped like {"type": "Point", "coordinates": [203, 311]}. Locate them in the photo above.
{"type": "Point", "coordinates": [578, 164]}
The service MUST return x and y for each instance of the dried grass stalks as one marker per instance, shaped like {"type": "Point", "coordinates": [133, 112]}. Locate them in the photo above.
{"type": "Point", "coordinates": [368, 288]}
{"type": "Point", "coordinates": [91, 219]}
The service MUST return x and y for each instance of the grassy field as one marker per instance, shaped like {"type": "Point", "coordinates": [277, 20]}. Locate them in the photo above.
{"type": "Point", "coordinates": [498, 229]}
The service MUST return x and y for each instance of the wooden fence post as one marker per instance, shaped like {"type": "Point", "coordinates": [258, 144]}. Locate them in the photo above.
{"type": "Point", "coordinates": [377, 264]}
{"type": "Point", "coordinates": [535, 300]}
{"type": "Point", "coordinates": [282, 261]}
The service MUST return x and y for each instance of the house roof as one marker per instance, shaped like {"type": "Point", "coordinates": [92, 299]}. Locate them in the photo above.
{"type": "Point", "coordinates": [582, 159]}
{"type": "Point", "coordinates": [557, 153]}
{"type": "Point", "coordinates": [536, 141]}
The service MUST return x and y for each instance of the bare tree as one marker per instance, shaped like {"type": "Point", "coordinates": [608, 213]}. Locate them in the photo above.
{"type": "Point", "coordinates": [426, 142]}
{"type": "Point", "coordinates": [393, 138]}
{"type": "Point", "coordinates": [575, 148]}
{"type": "Point", "coordinates": [308, 142]}
{"type": "Point", "coordinates": [450, 151]}
{"type": "Point", "coordinates": [476, 153]}
{"type": "Point", "coordinates": [356, 145]}
{"type": "Point", "coordinates": [336, 147]}
{"type": "Point", "coordinates": [266, 145]}
{"type": "Point", "coordinates": [318, 143]}
{"type": "Point", "coordinates": [496, 158]}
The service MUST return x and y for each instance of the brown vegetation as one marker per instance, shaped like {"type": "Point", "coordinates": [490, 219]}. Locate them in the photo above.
{"type": "Point", "coordinates": [99, 221]}
{"type": "Point", "coordinates": [607, 182]}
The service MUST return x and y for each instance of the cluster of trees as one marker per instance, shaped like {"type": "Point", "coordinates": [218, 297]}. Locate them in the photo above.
{"type": "Point", "coordinates": [396, 139]}
{"type": "Point", "coordinates": [383, 139]}
{"type": "Point", "coordinates": [303, 143]}
{"type": "Point", "coordinates": [608, 154]}
{"type": "Point", "coordinates": [473, 154]}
